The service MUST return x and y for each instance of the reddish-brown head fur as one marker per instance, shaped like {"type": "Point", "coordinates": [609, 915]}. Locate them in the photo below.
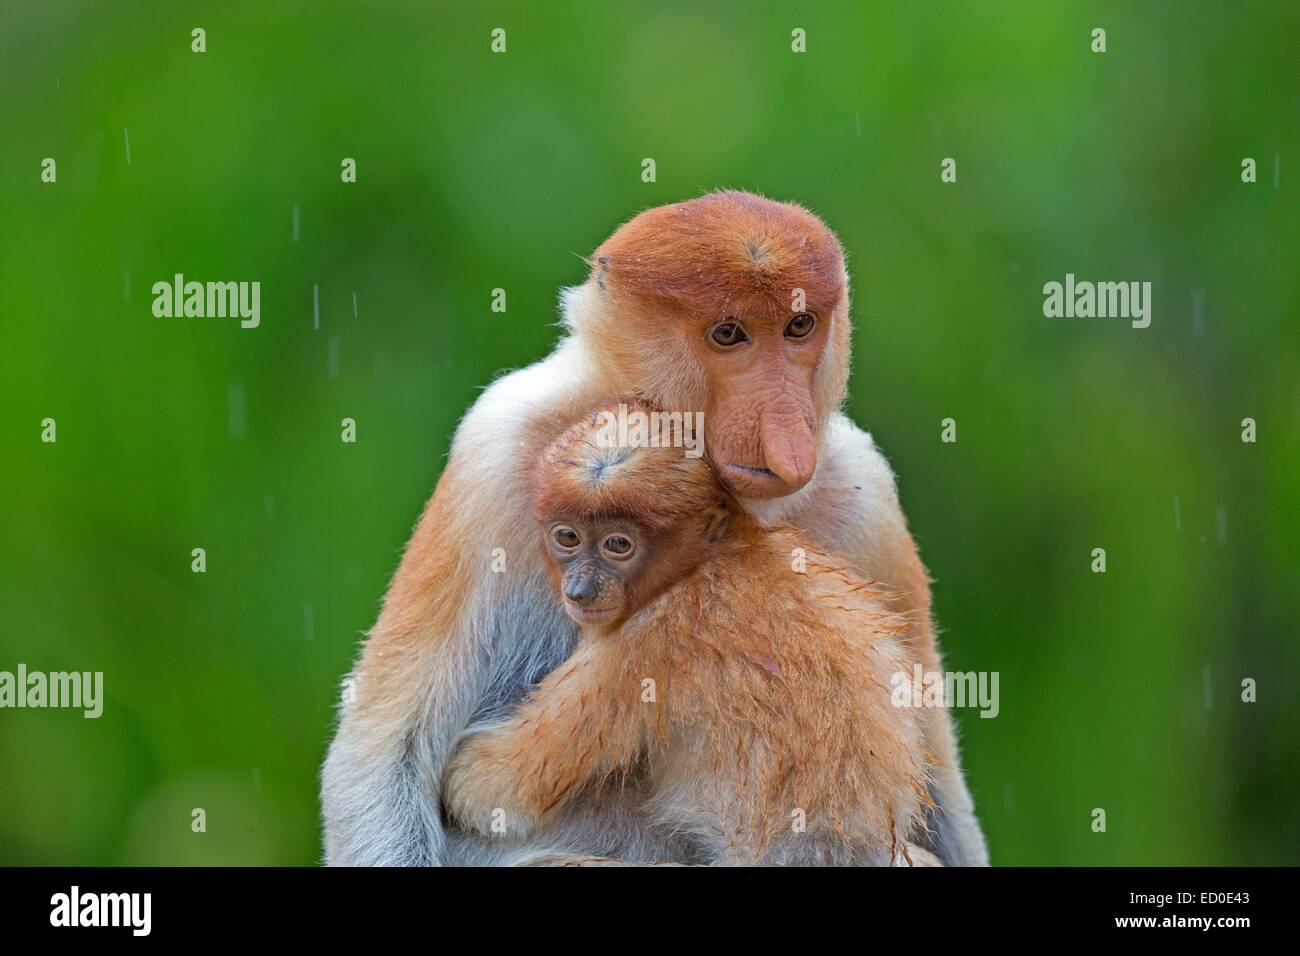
{"type": "Point", "coordinates": [585, 476]}
{"type": "Point", "coordinates": [725, 253]}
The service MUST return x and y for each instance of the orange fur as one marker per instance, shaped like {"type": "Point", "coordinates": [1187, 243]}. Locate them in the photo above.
{"type": "Point", "coordinates": [636, 326]}
{"type": "Point", "coordinates": [726, 252]}
{"type": "Point", "coordinates": [771, 687]}
{"type": "Point", "coordinates": [564, 482]}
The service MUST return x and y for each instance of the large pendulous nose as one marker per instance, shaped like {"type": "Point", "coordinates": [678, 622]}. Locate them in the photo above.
{"type": "Point", "coordinates": [789, 445]}
{"type": "Point", "coordinates": [581, 590]}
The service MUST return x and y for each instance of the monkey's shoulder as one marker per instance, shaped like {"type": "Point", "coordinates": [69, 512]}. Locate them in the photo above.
{"type": "Point", "coordinates": [854, 462]}
{"type": "Point", "coordinates": [518, 414]}
{"type": "Point", "coordinates": [794, 558]}
{"type": "Point", "coordinates": [851, 503]}
{"type": "Point", "coordinates": [775, 587]}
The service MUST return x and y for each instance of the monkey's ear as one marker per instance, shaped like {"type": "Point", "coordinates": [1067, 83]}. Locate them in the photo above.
{"type": "Point", "coordinates": [715, 524]}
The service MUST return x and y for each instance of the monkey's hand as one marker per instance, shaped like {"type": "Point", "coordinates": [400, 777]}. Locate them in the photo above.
{"type": "Point", "coordinates": [483, 788]}
{"type": "Point", "coordinates": [913, 855]}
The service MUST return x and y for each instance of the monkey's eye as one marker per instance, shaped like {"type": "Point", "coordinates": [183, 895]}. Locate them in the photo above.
{"type": "Point", "coordinates": [728, 334]}
{"type": "Point", "coordinates": [566, 538]}
{"type": "Point", "coordinates": [618, 547]}
{"type": "Point", "coordinates": [799, 326]}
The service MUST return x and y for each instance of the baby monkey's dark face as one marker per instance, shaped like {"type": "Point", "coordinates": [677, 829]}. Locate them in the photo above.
{"type": "Point", "coordinates": [598, 565]}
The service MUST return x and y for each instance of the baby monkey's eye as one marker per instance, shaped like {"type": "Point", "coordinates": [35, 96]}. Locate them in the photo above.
{"type": "Point", "coordinates": [728, 334]}
{"type": "Point", "coordinates": [799, 326]}
{"type": "Point", "coordinates": [566, 538]}
{"type": "Point", "coordinates": [618, 547]}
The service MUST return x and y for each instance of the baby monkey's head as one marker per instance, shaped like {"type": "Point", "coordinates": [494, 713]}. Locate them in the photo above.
{"type": "Point", "coordinates": [621, 522]}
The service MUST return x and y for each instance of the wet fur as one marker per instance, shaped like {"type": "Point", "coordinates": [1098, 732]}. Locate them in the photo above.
{"type": "Point", "coordinates": [456, 642]}
{"type": "Point", "coordinates": [771, 696]}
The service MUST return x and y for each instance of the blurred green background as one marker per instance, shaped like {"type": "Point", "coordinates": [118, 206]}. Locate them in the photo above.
{"type": "Point", "coordinates": [476, 171]}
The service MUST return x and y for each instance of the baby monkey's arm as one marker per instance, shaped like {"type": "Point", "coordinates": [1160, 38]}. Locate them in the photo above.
{"type": "Point", "coordinates": [576, 726]}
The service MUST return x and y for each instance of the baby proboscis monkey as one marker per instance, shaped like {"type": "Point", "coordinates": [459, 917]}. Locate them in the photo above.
{"type": "Point", "coordinates": [741, 675]}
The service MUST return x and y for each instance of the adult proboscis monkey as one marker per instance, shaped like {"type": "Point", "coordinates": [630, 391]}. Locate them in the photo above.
{"type": "Point", "coordinates": [730, 304]}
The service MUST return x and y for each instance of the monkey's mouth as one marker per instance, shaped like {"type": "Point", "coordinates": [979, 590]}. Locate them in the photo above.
{"type": "Point", "coordinates": [750, 482]}
{"type": "Point", "coordinates": [590, 615]}
{"type": "Point", "coordinates": [758, 472]}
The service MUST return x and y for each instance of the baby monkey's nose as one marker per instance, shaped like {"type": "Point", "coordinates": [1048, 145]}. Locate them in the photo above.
{"type": "Point", "coordinates": [581, 591]}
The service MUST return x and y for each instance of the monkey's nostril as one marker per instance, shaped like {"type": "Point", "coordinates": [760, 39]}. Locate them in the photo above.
{"type": "Point", "coordinates": [581, 592]}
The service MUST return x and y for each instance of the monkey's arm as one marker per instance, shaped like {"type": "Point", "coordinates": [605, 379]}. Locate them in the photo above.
{"type": "Point", "coordinates": [458, 632]}
{"type": "Point", "coordinates": [432, 662]}
{"type": "Point", "coordinates": [576, 727]}
{"type": "Point", "coordinates": [408, 698]}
